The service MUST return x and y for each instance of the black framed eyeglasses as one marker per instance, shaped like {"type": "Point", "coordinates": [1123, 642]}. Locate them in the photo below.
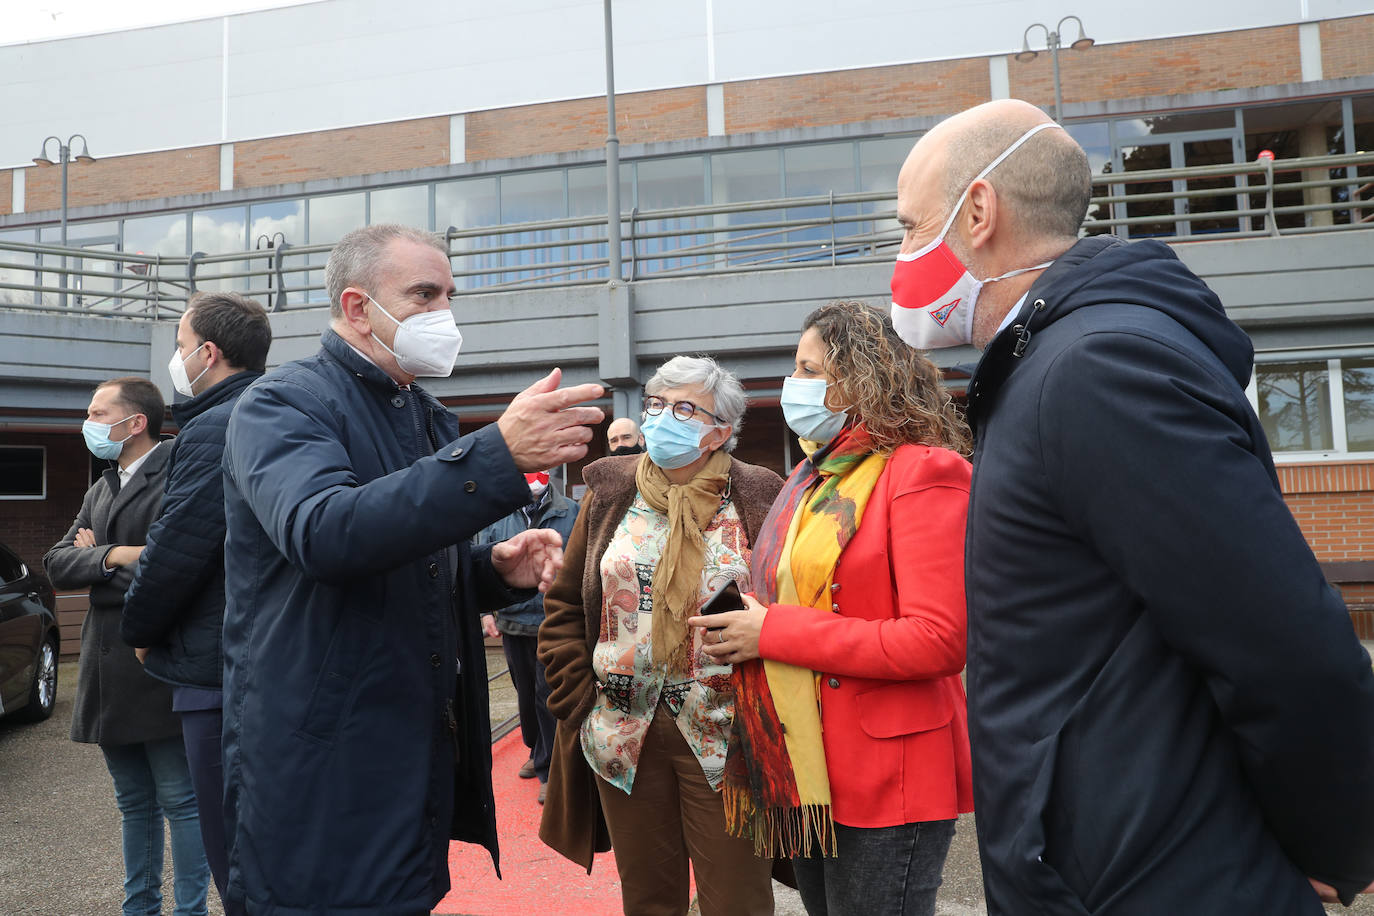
{"type": "Point", "coordinates": [681, 410]}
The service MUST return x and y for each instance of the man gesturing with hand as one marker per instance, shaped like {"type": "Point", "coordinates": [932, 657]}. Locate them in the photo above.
{"type": "Point", "coordinates": [356, 732]}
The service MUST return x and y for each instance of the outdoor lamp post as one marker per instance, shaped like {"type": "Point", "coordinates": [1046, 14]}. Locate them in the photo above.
{"type": "Point", "coordinates": [64, 155]}
{"type": "Point", "coordinates": [1052, 41]}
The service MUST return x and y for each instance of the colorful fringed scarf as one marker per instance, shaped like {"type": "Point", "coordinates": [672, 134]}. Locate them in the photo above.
{"type": "Point", "coordinates": [776, 789]}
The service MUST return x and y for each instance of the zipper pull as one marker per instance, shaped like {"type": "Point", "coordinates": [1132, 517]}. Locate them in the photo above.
{"type": "Point", "coordinates": [1023, 334]}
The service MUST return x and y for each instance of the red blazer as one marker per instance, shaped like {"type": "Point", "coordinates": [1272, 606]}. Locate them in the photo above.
{"type": "Point", "coordinates": [892, 705]}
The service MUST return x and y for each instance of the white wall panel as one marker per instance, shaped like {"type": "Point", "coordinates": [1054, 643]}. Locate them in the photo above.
{"type": "Point", "coordinates": [345, 62]}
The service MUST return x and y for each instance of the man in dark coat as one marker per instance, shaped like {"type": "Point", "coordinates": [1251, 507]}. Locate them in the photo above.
{"type": "Point", "coordinates": [1168, 707]}
{"type": "Point", "coordinates": [174, 610]}
{"type": "Point", "coordinates": [518, 624]}
{"type": "Point", "coordinates": [356, 730]}
{"type": "Point", "coordinates": [118, 706]}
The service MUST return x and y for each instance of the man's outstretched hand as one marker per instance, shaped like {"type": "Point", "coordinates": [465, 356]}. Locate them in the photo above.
{"type": "Point", "coordinates": [543, 427]}
{"type": "Point", "coordinates": [531, 559]}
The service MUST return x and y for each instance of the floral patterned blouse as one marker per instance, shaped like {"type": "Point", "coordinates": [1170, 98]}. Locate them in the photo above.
{"type": "Point", "coordinates": [629, 685]}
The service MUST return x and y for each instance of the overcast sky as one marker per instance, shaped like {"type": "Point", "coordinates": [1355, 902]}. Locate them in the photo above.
{"type": "Point", "coordinates": [36, 20]}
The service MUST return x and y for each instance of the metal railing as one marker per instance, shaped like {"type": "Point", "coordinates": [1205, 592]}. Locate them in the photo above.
{"type": "Point", "coordinates": [1240, 200]}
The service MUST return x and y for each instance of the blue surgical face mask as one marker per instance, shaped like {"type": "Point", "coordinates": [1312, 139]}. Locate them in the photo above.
{"type": "Point", "coordinates": [98, 440]}
{"type": "Point", "coordinates": [803, 407]}
{"type": "Point", "coordinates": [673, 443]}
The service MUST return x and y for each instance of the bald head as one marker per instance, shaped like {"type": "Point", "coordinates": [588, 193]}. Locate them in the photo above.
{"type": "Point", "coordinates": [1045, 186]}
{"type": "Point", "coordinates": [623, 433]}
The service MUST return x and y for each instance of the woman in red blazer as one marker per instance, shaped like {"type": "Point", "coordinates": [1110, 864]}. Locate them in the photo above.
{"type": "Point", "coordinates": [850, 748]}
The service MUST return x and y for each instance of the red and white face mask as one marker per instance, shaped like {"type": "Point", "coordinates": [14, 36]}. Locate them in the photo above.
{"type": "Point", "coordinates": [933, 294]}
{"type": "Point", "coordinates": [539, 482]}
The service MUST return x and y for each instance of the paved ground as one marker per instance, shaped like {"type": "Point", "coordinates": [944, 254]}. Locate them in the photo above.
{"type": "Point", "coordinates": [59, 830]}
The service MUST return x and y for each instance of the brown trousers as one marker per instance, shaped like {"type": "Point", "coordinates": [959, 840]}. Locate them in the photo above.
{"type": "Point", "coordinates": [673, 816]}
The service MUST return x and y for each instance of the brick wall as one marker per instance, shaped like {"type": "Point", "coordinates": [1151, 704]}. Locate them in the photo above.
{"type": "Point", "coordinates": [1347, 47]}
{"type": "Point", "coordinates": [1334, 506]}
{"type": "Point", "coordinates": [1253, 57]}
{"type": "Point", "coordinates": [556, 127]}
{"type": "Point", "coordinates": [876, 93]}
{"type": "Point", "coordinates": [339, 153]}
{"type": "Point", "coordinates": [6, 190]}
{"type": "Point", "coordinates": [30, 527]}
{"type": "Point", "coordinates": [120, 178]}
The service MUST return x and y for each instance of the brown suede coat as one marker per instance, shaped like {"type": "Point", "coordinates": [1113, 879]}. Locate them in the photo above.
{"type": "Point", "coordinates": [572, 823]}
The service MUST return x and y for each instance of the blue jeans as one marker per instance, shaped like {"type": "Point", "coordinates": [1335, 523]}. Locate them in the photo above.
{"type": "Point", "coordinates": [152, 780]}
{"type": "Point", "coordinates": [888, 870]}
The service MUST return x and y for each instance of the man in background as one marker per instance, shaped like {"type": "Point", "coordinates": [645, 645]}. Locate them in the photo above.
{"type": "Point", "coordinates": [174, 610]}
{"type": "Point", "coordinates": [518, 624]}
{"type": "Point", "coordinates": [118, 706]}
{"type": "Point", "coordinates": [623, 437]}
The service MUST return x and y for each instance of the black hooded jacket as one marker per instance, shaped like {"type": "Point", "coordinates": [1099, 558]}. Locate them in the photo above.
{"type": "Point", "coordinates": [1168, 707]}
{"type": "Point", "coordinates": [175, 604]}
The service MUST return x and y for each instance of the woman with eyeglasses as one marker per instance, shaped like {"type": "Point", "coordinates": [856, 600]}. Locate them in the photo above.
{"type": "Point", "coordinates": [850, 752]}
{"type": "Point", "coordinates": [643, 714]}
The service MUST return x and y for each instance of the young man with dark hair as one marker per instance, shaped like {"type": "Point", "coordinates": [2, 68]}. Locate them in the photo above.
{"type": "Point", "coordinates": [117, 705]}
{"type": "Point", "coordinates": [174, 611]}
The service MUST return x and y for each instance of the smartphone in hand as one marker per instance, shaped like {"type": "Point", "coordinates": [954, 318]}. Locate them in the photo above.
{"type": "Point", "coordinates": [727, 599]}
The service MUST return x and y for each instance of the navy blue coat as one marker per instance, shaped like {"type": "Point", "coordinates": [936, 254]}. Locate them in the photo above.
{"type": "Point", "coordinates": [175, 606]}
{"type": "Point", "coordinates": [557, 512]}
{"type": "Point", "coordinates": [1168, 707]}
{"type": "Point", "coordinates": [354, 668]}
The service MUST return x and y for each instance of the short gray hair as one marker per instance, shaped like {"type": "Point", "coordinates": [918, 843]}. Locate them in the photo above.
{"type": "Point", "coordinates": [1047, 182]}
{"type": "Point", "coordinates": [705, 373]}
{"type": "Point", "coordinates": [356, 257]}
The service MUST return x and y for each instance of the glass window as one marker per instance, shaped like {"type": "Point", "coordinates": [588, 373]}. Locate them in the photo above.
{"type": "Point", "coordinates": [528, 197]}
{"type": "Point", "coordinates": [79, 232]}
{"type": "Point", "coordinates": [1290, 132]}
{"type": "Point", "coordinates": [408, 206]}
{"type": "Point", "coordinates": [330, 219]}
{"type": "Point", "coordinates": [467, 204]}
{"type": "Point", "coordinates": [819, 169]}
{"type": "Point", "coordinates": [587, 198]}
{"type": "Point", "coordinates": [18, 276]}
{"type": "Point", "coordinates": [1362, 192]}
{"type": "Point", "coordinates": [23, 472]}
{"type": "Point", "coordinates": [1294, 406]}
{"type": "Point", "coordinates": [745, 176]}
{"type": "Point", "coordinates": [280, 221]}
{"type": "Point", "coordinates": [1357, 380]}
{"type": "Point", "coordinates": [1175, 122]}
{"type": "Point", "coordinates": [224, 231]}
{"type": "Point", "coordinates": [165, 235]}
{"type": "Point", "coordinates": [880, 161]}
{"type": "Point", "coordinates": [664, 184]}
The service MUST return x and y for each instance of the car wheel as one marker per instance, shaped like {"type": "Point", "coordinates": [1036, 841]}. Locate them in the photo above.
{"type": "Point", "coordinates": [43, 692]}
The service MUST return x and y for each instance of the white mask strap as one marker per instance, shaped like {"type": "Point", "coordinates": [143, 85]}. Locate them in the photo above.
{"type": "Point", "coordinates": [990, 166]}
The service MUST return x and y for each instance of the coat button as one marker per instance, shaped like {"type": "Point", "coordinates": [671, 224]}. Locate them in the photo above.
{"type": "Point", "coordinates": [398, 401]}
{"type": "Point", "coordinates": [456, 453]}
{"type": "Point", "coordinates": [434, 570]}
{"type": "Point", "coordinates": [435, 661]}
{"type": "Point", "coordinates": [835, 607]}
{"type": "Point", "coordinates": [470, 486]}
{"type": "Point", "coordinates": [834, 682]}
{"type": "Point", "coordinates": [835, 586]}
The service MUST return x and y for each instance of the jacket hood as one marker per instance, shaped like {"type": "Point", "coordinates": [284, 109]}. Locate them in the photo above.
{"type": "Point", "coordinates": [1105, 269]}
{"type": "Point", "coordinates": [224, 390]}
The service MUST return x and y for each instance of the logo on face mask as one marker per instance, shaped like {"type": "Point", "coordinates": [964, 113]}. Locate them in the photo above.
{"type": "Point", "coordinates": [923, 281]}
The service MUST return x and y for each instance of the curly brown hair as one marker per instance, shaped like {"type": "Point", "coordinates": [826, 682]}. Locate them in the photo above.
{"type": "Point", "coordinates": [892, 388]}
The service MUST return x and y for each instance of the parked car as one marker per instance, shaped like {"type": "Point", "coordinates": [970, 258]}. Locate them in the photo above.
{"type": "Point", "coordinates": [29, 641]}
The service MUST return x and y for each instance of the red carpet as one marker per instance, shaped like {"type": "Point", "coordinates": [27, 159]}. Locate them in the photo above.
{"type": "Point", "coordinates": [538, 881]}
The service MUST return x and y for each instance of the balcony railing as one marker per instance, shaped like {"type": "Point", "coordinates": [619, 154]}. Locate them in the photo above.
{"type": "Point", "coordinates": [1241, 200]}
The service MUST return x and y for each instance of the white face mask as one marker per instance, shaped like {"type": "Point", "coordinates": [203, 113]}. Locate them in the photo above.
{"type": "Point", "coordinates": [933, 294]}
{"type": "Point", "coordinates": [177, 368]}
{"type": "Point", "coordinates": [427, 344]}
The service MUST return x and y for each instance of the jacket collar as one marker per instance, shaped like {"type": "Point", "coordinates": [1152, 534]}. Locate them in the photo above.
{"type": "Point", "coordinates": [151, 466]}
{"type": "Point", "coordinates": [338, 348]}
{"type": "Point", "coordinates": [223, 390]}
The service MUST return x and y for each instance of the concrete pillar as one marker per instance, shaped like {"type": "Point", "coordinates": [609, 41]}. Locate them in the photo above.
{"type": "Point", "coordinates": [1312, 142]}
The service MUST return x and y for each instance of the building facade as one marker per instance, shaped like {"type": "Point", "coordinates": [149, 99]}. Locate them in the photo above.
{"type": "Point", "coordinates": [283, 129]}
